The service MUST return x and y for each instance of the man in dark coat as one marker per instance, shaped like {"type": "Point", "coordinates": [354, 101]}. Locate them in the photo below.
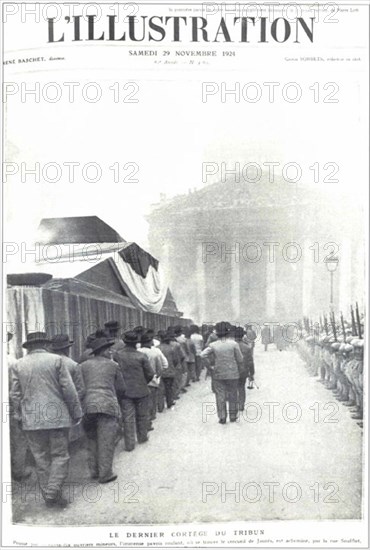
{"type": "Point", "coordinates": [47, 404]}
{"type": "Point", "coordinates": [247, 368]}
{"type": "Point", "coordinates": [266, 336]}
{"type": "Point", "coordinates": [112, 329]}
{"type": "Point", "coordinates": [250, 336]}
{"type": "Point", "coordinates": [104, 387]}
{"type": "Point", "coordinates": [228, 360]}
{"type": "Point", "coordinates": [280, 338]}
{"type": "Point", "coordinates": [137, 373]}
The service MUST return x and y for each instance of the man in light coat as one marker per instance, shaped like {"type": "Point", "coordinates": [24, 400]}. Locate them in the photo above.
{"type": "Point", "coordinates": [228, 361]}
{"type": "Point", "coordinates": [46, 403]}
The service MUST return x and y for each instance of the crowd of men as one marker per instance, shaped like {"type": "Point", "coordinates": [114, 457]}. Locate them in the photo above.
{"type": "Point", "coordinates": [336, 356]}
{"type": "Point", "coordinates": [117, 387]}
{"type": "Point", "coordinates": [123, 380]}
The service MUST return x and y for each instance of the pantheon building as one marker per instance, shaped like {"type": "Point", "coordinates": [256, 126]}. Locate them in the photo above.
{"type": "Point", "coordinates": [260, 251]}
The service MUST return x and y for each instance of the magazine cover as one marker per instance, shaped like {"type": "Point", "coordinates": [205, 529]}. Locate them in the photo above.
{"type": "Point", "coordinates": [185, 274]}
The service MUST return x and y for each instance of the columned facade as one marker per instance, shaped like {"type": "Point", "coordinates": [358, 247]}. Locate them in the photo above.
{"type": "Point", "coordinates": [217, 243]}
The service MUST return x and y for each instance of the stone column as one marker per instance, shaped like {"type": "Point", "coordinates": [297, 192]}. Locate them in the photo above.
{"type": "Point", "coordinates": [201, 283]}
{"type": "Point", "coordinates": [270, 288]}
{"type": "Point", "coordinates": [235, 288]}
{"type": "Point", "coordinates": [307, 278]}
{"type": "Point", "coordinates": [166, 261]}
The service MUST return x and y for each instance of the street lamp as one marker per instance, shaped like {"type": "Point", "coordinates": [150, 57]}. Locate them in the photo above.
{"type": "Point", "coordinates": [331, 265]}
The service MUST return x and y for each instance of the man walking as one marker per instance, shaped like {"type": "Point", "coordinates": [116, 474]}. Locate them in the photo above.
{"type": "Point", "coordinates": [104, 386]}
{"type": "Point", "coordinates": [228, 360]}
{"type": "Point", "coordinates": [46, 402]}
{"type": "Point", "coordinates": [266, 336]}
{"type": "Point", "coordinates": [137, 373]}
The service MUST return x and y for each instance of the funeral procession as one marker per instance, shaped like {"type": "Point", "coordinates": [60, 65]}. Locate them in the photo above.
{"type": "Point", "coordinates": [125, 408]}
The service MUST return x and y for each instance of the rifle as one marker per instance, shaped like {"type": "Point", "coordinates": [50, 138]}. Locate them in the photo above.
{"type": "Point", "coordinates": [333, 325]}
{"type": "Point", "coordinates": [343, 329]}
{"type": "Point", "coordinates": [358, 321]}
{"type": "Point", "coordinates": [354, 328]}
{"type": "Point", "coordinates": [326, 324]}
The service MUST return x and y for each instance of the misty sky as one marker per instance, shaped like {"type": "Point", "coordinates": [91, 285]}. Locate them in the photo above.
{"type": "Point", "coordinates": [169, 132]}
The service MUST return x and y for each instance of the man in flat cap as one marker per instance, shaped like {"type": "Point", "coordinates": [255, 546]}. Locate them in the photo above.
{"type": "Point", "coordinates": [228, 362]}
{"type": "Point", "coordinates": [137, 373]}
{"type": "Point", "coordinates": [104, 388]}
{"type": "Point", "coordinates": [46, 403]}
{"type": "Point", "coordinates": [112, 329]}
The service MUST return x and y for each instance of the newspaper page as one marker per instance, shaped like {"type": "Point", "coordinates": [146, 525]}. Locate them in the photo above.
{"type": "Point", "coordinates": [185, 274]}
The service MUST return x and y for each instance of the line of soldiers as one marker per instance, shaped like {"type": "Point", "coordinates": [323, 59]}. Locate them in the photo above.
{"type": "Point", "coordinates": [118, 385]}
{"type": "Point", "coordinates": [336, 355]}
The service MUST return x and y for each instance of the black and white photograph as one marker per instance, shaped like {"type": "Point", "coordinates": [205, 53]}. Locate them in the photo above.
{"type": "Point", "coordinates": [185, 274]}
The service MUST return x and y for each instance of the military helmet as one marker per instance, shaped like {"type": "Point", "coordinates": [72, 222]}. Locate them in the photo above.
{"type": "Point", "coordinates": [348, 348]}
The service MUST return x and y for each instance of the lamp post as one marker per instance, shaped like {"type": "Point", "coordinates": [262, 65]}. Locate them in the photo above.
{"type": "Point", "coordinates": [331, 265]}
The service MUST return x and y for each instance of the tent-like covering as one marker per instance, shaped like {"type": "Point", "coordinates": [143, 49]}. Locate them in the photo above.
{"type": "Point", "coordinates": [77, 248]}
{"type": "Point", "coordinates": [78, 229]}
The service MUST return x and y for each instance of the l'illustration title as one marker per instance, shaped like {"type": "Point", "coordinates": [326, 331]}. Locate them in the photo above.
{"type": "Point", "coordinates": [178, 29]}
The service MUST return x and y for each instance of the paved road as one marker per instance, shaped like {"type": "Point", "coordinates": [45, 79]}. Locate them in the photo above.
{"type": "Point", "coordinates": [265, 466]}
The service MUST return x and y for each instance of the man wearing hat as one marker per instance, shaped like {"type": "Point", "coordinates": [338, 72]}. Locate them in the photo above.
{"type": "Point", "coordinates": [61, 345]}
{"type": "Point", "coordinates": [159, 363]}
{"type": "Point", "coordinates": [46, 402]}
{"type": "Point", "coordinates": [112, 328]}
{"type": "Point", "coordinates": [87, 353]}
{"type": "Point", "coordinates": [137, 373]}
{"type": "Point", "coordinates": [104, 387]}
{"type": "Point", "coordinates": [228, 362]}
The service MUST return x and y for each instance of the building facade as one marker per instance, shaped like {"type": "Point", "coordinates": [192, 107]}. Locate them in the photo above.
{"type": "Point", "coordinates": [258, 252]}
